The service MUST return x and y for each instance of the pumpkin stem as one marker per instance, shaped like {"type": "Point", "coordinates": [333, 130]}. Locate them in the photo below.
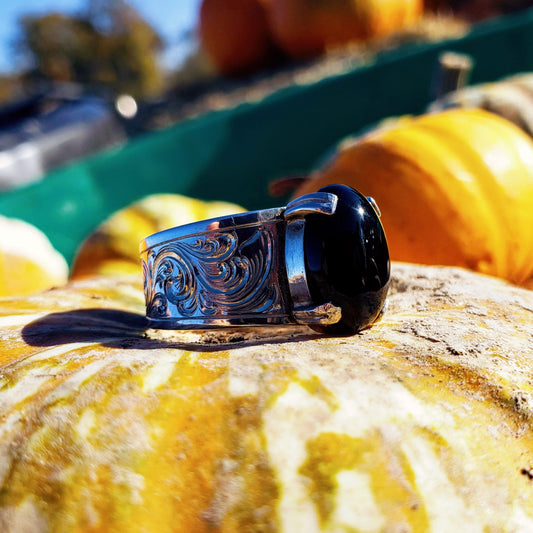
{"type": "Point", "coordinates": [286, 185]}
{"type": "Point", "coordinates": [453, 73]}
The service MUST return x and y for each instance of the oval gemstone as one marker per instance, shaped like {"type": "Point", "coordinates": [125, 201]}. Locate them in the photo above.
{"type": "Point", "coordinates": [347, 261]}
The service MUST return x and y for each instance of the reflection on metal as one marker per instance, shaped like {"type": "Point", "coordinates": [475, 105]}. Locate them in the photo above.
{"type": "Point", "coordinates": [324, 315]}
{"type": "Point", "coordinates": [211, 276]}
{"type": "Point", "coordinates": [318, 202]}
{"type": "Point", "coordinates": [374, 205]}
{"type": "Point", "coordinates": [217, 273]}
{"type": "Point", "coordinates": [305, 311]}
{"type": "Point", "coordinates": [244, 269]}
{"type": "Point", "coordinates": [295, 264]}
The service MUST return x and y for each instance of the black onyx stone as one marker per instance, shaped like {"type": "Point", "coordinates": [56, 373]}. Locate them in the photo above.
{"type": "Point", "coordinates": [347, 261]}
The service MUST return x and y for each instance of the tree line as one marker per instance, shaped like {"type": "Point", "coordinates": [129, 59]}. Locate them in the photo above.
{"type": "Point", "coordinates": [109, 45]}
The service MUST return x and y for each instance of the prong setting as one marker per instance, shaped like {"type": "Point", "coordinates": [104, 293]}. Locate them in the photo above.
{"type": "Point", "coordinates": [305, 311]}
{"type": "Point", "coordinates": [324, 315]}
{"type": "Point", "coordinates": [374, 205]}
{"type": "Point", "coordinates": [318, 202]}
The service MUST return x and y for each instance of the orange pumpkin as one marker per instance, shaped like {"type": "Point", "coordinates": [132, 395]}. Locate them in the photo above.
{"type": "Point", "coordinates": [113, 248]}
{"type": "Point", "coordinates": [235, 35]}
{"type": "Point", "coordinates": [454, 188]}
{"type": "Point", "coordinates": [422, 423]}
{"type": "Point", "coordinates": [28, 261]}
{"type": "Point", "coordinates": [304, 28]}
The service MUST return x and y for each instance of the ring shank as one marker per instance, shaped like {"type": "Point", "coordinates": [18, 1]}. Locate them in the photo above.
{"type": "Point", "coordinates": [321, 261]}
{"type": "Point", "coordinates": [218, 273]}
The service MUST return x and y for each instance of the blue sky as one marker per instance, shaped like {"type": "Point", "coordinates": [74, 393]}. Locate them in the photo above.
{"type": "Point", "coordinates": [170, 17]}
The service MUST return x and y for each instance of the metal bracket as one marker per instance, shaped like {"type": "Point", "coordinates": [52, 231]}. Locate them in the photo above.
{"type": "Point", "coordinates": [304, 310]}
{"type": "Point", "coordinates": [374, 205]}
{"type": "Point", "coordinates": [324, 314]}
{"type": "Point", "coordinates": [324, 203]}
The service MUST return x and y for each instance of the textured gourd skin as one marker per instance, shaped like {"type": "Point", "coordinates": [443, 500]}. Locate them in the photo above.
{"type": "Point", "coordinates": [304, 28]}
{"type": "Point", "coordinates": [113, 248]}
{"type": "Point", "coordinates": [454, 188]}
{"type": "Point", "coordinates": [422, 423]}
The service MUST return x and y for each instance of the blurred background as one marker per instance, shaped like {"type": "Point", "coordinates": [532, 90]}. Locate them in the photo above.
{"type": "Point", "coordinates": [89, 65]}
{"type": "Point", "coordinates": [103, 102]}
{"type": "Point", "coordinates": [126, 46]}
{"type": "Point", "coordinates": [77, 76]}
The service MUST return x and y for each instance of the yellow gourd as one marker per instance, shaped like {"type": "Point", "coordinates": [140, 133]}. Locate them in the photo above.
{"type": "Point", "coordinates": [28, 261]}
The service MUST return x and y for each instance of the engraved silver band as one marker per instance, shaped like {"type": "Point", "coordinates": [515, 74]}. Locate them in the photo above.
{"type": "Point", "coordinates": [244, 269]}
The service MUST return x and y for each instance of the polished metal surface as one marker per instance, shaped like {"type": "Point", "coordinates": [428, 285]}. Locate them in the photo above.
{"type": "Point", "coordinates": [244, 269]}
{"type": "Point", "coordinates": [295, 264]}
{"type": "Point", "coordinates": [223, 272]}
{"type": "Point", "coordinates": [317, 202]}
{"type": "Point", "coordinates": [304, 310]}
{"type": "Point", "coordinates": [324, 315]}
{"type": "Point", "coordinates": [374, 205]}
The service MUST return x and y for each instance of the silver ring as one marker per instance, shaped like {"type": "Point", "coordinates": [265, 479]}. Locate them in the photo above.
{"type": "Point", "coordinates": [321, 261]}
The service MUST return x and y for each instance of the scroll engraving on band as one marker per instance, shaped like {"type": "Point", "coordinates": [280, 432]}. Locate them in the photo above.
{"type": "Point", "coordinates": [212, 275]}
